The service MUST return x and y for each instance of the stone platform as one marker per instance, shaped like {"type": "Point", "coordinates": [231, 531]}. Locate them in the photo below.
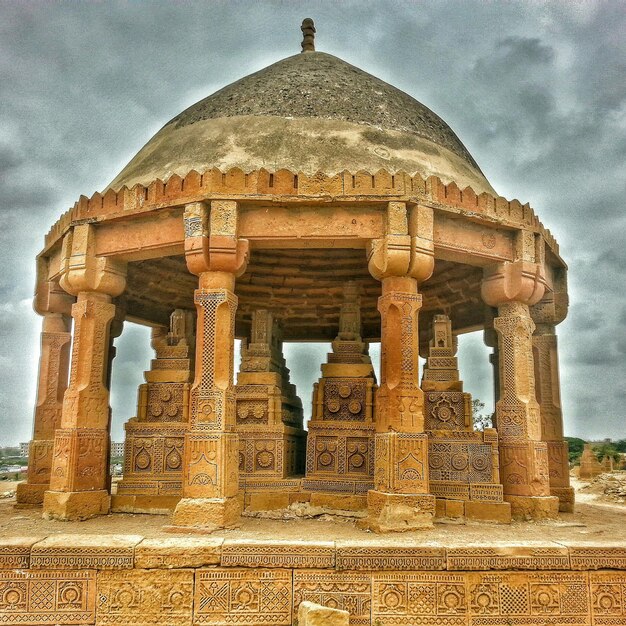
{"type": "Point", "coordinates": [448, 576]}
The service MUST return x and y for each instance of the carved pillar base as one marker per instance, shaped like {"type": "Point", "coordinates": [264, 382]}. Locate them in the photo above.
{"type": "Point", "coordinates": [206, 514]}
{"type": "Point", "coordinates": [29, 495]}
{"type": "Point", "coordinates": [31, 492]}
{"type": "Point", "coordinates": [533, 507]}
{"type": "Point", "coordinates": [75, 505]}
{"type": "Point", "coordinates": [566, 496]}
{"type": "Point", "coordinates": [398, 512]}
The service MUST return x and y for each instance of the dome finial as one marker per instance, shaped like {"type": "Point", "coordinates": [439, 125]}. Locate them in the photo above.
{"type": "Point", "coordinates": [308, 31]}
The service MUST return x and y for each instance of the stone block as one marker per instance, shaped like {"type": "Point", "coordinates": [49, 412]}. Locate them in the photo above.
{"type": "Point", "coordinates": [546, 598]}
{"type": "Point", "coordinates": [526, 556]}
{"type": "Point", "coordinates": [347, 591]}
{"type": "Point", "coordinates": [75, 505]}
{"type": "Point", "coordinates": [243, 596]}
{"type": "Point", "coordinates": [339, 501]}
{"type": "Point", "coordinates": [398, 512]}
{"type": "Point", "coordinates": [85, 552]}
{"type": "Point", "coordinates": [488, 511]}
{"type": "Point", "coordinates": [608, 605]}
{"type": "Point", "coordinates": [269, 501]}
{"type": "Point", "coordinates": [145, 597]}
{"type": "Point", "coordinates": [454, 508]}
{"type": "Point", "coordinates": [310, 614]}
{"type": "Point", "coordinates": [533, 507]}
{"type": "Point", "coordinates": [566, 498]}
{"type": "Point", "coordinates": [167, 553]}
{"type": "Point", "coordinates": [587, 555]}
{"type": "Point", "coordinates": [419, 598]}
{"type": "Point", "coordinates": [50, 597]}
{"type": "Point", "coordinates": [207, 513]}
{"type": "Point", "coordinates": [30, 495]}
{"type": "Point", "coordinates": [151, 505]}
{"type": "Point", "coordinates": [354, 555]}
{"type": "Point", "coordinates": [15, 551]}
{"type": "Point", "coordinates": [287, 554]}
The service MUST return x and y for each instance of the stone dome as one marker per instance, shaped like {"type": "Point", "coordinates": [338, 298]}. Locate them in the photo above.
{"type": "Point", "coordinates": [307, 113]}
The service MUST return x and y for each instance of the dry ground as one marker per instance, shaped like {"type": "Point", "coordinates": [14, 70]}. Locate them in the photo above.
{"type": "Point", "coordinates": [594, 520]}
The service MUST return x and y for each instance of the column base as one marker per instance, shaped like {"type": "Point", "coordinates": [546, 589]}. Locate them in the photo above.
{"type": "Point", "coordinates": [533, 507]}
{"type": "Point", "coordinates": [30, 495]}
{"type": "Point", "coordinates": [398, 512]}
{"type": "Point", "coordinates": [204, 515]}
{"type": "Point", "coordinates": [566, 498]}
{"type": "Point", "coordinates": [75, 505]}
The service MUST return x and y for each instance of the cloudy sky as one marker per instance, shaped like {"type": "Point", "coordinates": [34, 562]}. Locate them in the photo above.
{"type": "Point", "coordinates": [536, 91]}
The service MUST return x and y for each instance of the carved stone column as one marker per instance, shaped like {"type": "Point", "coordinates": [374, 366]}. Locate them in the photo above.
{"type": "Point", "coordinates": [403, 259]}
{"type": "Point", "coordinates": [490, 337]}
{"type": "Point", "coordinates": [211, 450]}
{"type": "Point", "coordinates": [54, 304]}
{"type": "Point", "coordinates": [550, 311]}
{"type": "Point", "coordinates": [512, 287]}
{"type": "Point", "coordinates": [79, 481]}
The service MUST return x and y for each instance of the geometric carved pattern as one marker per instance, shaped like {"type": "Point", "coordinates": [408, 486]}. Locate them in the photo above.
{"type": "Point", "coordinates": [349, 591]}
{"type": "Point", "coordinates": [165, 402]}
{"type": "Point", "coordinates": [550, 598]}
{"type": "Point", "coordinates": [419, 598]}
{"type": "Point", "coordinates": [344, 399]}
{"type": "Point", "coordinates": [143, 597]}
{"type": "Point", "coordinates": [240, 596]}
{"type": "Point", "coordinates": [47, 597]}
{"type": "Point", "coordinates": [460, 462]}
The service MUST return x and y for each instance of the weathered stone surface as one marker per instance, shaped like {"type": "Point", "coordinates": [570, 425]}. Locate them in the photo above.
{"type": "Point", "coordinates": [178, 552]}
{"type": "Point", "coordinates": [208, 513]}
{"type": "Point", "coordinates": [588, 555]}
{"type": "Point", "coordinates": [398, 512]}
{"type": "Point", "coordinates": [15, 551]}
{"type": "Point", "coordinates": [347, 591]}
{"type": "Point", "coordinates": [354, 555]}
{"type": "Point", "coordinates": [85, 552]}
{"type": "Point", "coordinates": [534, 507]}
{"type": "Point", "coordinates": [75, 505]}
{"type": "Point", "coordinates": [527, 556]}
{"type": "Point", "coordinates": [287, 554]}
{"type": "Point", "coordinates": [145, 597]}
{"type": "Point", "coordinates": [310, 614]}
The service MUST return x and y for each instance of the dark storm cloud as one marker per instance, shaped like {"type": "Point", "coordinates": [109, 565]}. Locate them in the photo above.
{"type": "Point", "coordinates": [536, 92]}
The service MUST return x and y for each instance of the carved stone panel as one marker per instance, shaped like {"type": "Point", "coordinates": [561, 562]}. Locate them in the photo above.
{"type": "Point", "coordinates": [243, 596]}
{"type": "Point", "coordinates": [47, 597]}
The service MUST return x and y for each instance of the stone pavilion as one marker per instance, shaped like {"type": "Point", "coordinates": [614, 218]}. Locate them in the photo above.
{"type": "Point", "coordinates": [309, 201]}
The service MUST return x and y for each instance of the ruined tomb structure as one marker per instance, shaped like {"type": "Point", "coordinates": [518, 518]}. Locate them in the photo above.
{"type": "Point", "coordinates": [309, 201]}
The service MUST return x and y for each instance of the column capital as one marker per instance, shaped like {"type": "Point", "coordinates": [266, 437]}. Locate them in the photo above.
{"type": "Point", "coordinates": [211, 241]}
{"type": "Point", "coordinates": [519, 281]}
{"type": "Point", "coordinates": [407, 249]}
{"type": "Point", "coordinates": [82, 270]}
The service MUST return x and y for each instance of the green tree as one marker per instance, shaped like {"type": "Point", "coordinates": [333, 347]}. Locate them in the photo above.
{"type": "Point", "coordinates": [576, 446]}
{"type": "Point", "coordinates": [481, 420]}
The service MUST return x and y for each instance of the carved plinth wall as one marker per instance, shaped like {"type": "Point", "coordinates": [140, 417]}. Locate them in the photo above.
{"type": "Point", "coordinates": [268, 412]}
{"type": "Point", "coordinates": [463, 463]}
{"type": "Point", "coordinates": [340, 447]}
{"type": "Point", "coordinates": [153, 451]}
